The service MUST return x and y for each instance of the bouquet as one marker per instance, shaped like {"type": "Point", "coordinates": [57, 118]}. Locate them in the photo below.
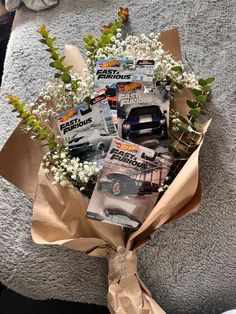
{"type": "Point", "coordinates": [140, 86]}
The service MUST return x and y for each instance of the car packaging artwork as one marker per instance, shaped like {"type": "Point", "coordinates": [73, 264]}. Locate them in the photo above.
{"type": "Point", "coordinates": [110, 71]}
{"type": "Point", "coordinates": [87, 129]}
{"type": "Point", "coordinates": [127, 188]}
{"type": "Point", "coordinates": [143, 113]}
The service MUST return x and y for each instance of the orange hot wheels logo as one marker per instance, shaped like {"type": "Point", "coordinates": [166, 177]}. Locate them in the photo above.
{"type": "Point", "coordinates": [130, 87]}
{"type": "Point", "coordinates": [110, 64]}
{"type": "Point", "coordinates": [68, 115]}
{"type": "Point", "coordinates": [123, 146]}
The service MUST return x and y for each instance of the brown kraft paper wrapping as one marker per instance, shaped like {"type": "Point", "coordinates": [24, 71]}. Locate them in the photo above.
{"type": "Point", "coordinates": [59, 212]}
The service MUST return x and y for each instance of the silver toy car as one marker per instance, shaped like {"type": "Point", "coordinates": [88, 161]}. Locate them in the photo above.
{"type": "Point", "coordinates": [92, 140]}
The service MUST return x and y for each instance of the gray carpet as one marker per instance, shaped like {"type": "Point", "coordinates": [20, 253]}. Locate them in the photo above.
{"type": "Point", "coordinates": [190, 265]}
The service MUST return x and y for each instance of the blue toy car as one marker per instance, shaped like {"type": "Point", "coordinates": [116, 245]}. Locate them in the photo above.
{"type": "Point", "coordinates": [145, 120]}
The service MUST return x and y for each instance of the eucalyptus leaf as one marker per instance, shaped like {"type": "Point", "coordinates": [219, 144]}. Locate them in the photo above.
{"type": "Point", "coordinates": [68, 68]}
{"type": "Point", "coordinates": [25, 114]}
{"type": "Point", "coordinates": [43, 31]}
{"type": "Point", "coordinates": [202, 82]}
{"type": "Point", "coordinates": [195, 113]}
{"type": "Point", "coordinates": [201, 99]}
{"type": "Point", "coordinates": [183, 119]}
{"type": "Point", "coordinates": [43, 41]}
{"type": "Point", "coordinates": [196, 92]}
{"type": "Point", "coordinates": [66, 78]}
{"type": "Point", "coordinates": [209, 80]}
{"type": "Point", "coordinates": [183, 129]}
{"type": "Point", "coordinates": [177, 68]}
{"type": "Point", "coordinates": [55, 55]}
{"type": "Point", "coordinates": [206, 88]}
{"type": "Point", "coordinates": [42, 136]}
{"type": "Point", "coordinates": [21, 107]}
{"type": "Point", "coordinates": [192, 104]}
{"type": "Point", "coordinates": [58, 65]}
{"type": "Point", "coordinates": [49, 42]}
{"type": "Point", "coordinates": [52, 145]}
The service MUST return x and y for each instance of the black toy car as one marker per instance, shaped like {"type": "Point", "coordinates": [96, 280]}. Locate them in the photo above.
{"type": "Point", "coordinates": [122, 184]}
{"type": "Point", "coordinates": [143, 121]}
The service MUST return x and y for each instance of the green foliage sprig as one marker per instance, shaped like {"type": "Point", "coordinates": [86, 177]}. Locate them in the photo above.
{"type": "Point", "coordinates": [57, 63]}
{"type": "Point", "coordinates": [108, 31]}
{"type": "Point", "coordinates": [201, 95]}
{"type": "Point", "coordinates": [33, 124]}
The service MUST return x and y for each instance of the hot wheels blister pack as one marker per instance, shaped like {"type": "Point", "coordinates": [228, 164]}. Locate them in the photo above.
{"type": "Point", "coordinates": [110, 71]}
{"type": "Point", "coordinates": [87, 129]}
{"type": "Point", "coordinates": [127, 189]}
{"type": "Point", "coordinates": [143, 112]}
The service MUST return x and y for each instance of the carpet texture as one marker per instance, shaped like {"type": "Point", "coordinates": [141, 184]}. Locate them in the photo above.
{"type": "Point", "coordinates": [190, 265]}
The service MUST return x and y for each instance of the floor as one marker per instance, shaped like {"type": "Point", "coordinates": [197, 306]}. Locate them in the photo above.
{"type": "Point", "coordinates": [11, 302]}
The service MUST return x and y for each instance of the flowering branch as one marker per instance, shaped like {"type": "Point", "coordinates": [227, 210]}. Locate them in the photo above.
{"type": "Point", "coordinates": [109, 33]}
{"type": "Point", "coordinates": [33, 124]}
{"type": "Point", "coordinates": [57, 63]}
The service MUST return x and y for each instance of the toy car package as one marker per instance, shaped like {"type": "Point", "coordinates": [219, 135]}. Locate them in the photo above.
{"type": "Point", "coordinates": [87, 129]}
{"type": "Point", "coordinates": [143, 113]}
{"type": "Point", "coordinates": [110, 71]}
{"type": "Point", "coordinates": [129, 184]}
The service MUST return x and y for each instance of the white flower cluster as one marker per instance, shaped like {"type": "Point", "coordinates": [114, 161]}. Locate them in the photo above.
{"type": "Point", "coordinates": [67, 169]}
{"type": "Point", "coordinates": [63, 95]}
{"type": "Point", "coordinates": [175, 121]}
{"type": "Point", "coordinates": [147, 48]}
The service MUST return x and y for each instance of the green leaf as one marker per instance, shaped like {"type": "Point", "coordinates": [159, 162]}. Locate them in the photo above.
{"type": "Point", "coordinates": [202, 82]}
{"type": "Point", "coordinates": [51, 137]}
{"type": "Point", "coordinates": [62, 59]}
{"type": "Point", "coordinates": [209, 80]}
{"type": "Point", "coordinates": [43, 31]}
{"type": "Point", "coordinates": [196, 92]}
{"type": "Point", "coordinates": [30, 119]}
{"type": "Point", "coordinates": [177, 68]}
{"type": "Point", "coordinates": [55, 55]}
{"type": "Point", "coordinates": [49, 42]}
{"type": "Point", "coordinates": [43, 41]}
{"type": "Point", "coordinates": [43, 136]}
{"type": "Point", "coordinates": [66, 78]}
{"type": "Point", "coordinates": [183, 119]}
{"type": "Point", "coordinates": [21, 107]}
{"type": "Point", "coordinates": [52, 145]}
{"type": "Point", "coordinates": [32, 116]}
{"type": "Point", "coordinates": [68, 68]}
{"type": "Point", "coordinates": [36, 127]}
{"type": "Point", "coordinates": [191, 104]}
{"type": "Point", "coordinates": [58, 65]}
{"type": "Point", "coordinates": [86, 40]}
{"type": "Point", "coordinates": [183, 129]}
{"type": "Point", "coordinates": [90, 36]}
{"type": "Point", "coordinates": [92, 42]}
{"type": "Point", "coordinates": [206, 88]}
{"type": "Point", "coordinates": [31, 122]}
{"type": "Point", "coordinates": [25, 114]}
{"type": "Point", "coordinates": [201, 99]}
{"type": "Point", "coordinates": [89, 48]}
{"type": "Point", "coordinates": [195, 113]}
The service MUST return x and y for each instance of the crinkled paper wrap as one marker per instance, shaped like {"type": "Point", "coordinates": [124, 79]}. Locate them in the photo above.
{"type": "Point", "coordinates": [59, 212]}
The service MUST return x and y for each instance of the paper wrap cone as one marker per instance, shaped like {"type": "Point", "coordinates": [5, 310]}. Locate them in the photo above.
{"type": "Point", "coordinates": [59, 212]}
